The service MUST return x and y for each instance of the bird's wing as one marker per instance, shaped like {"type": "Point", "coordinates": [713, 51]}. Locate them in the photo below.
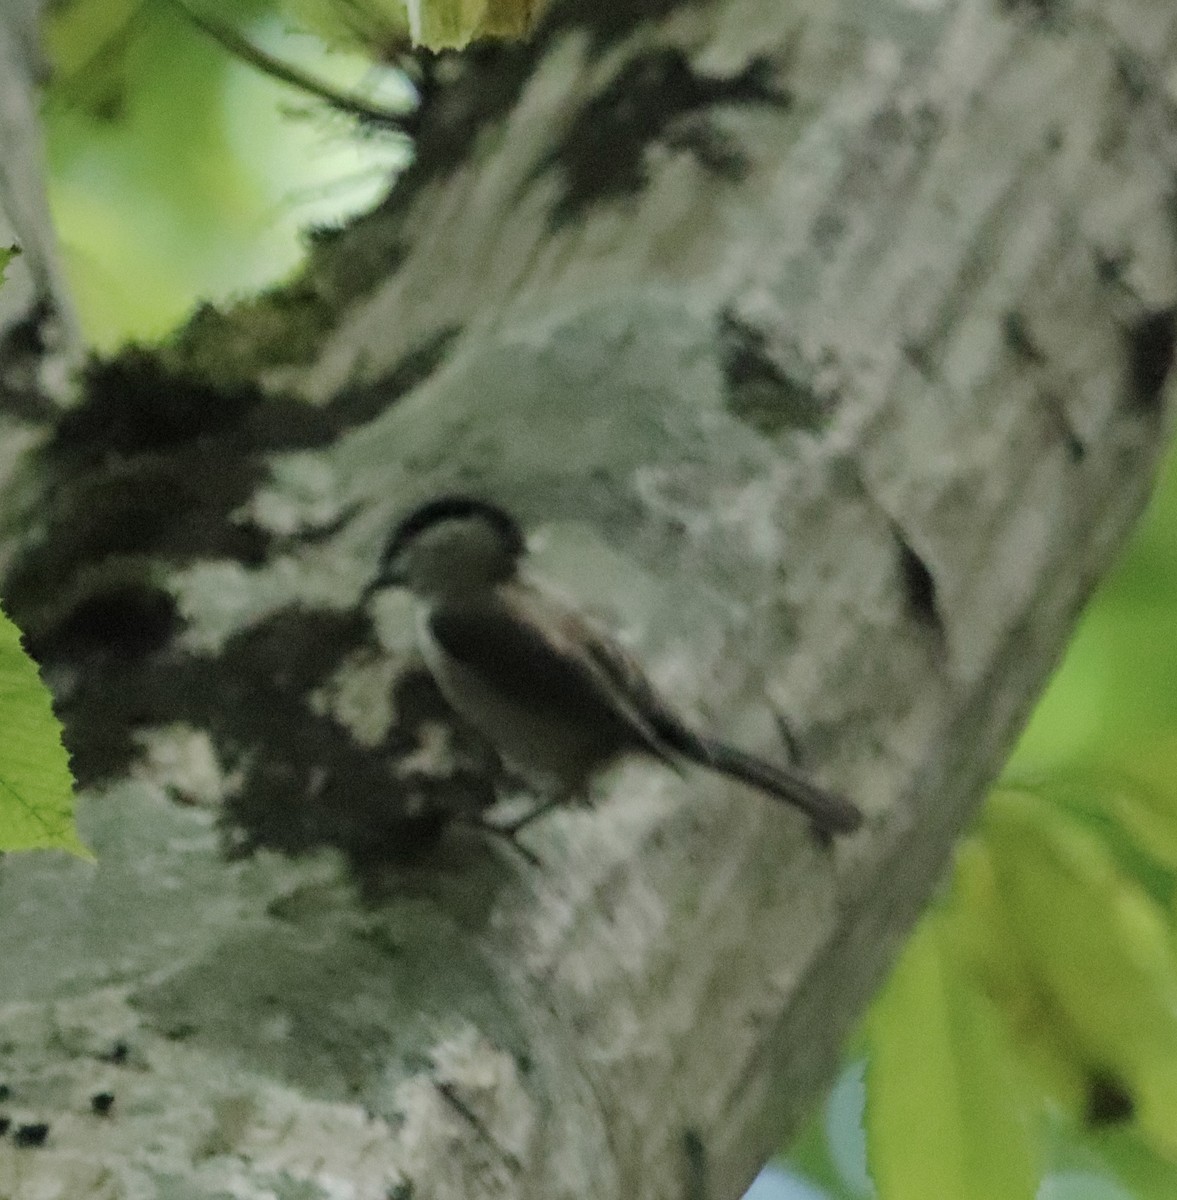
{"type": "Point", "coordinates": [540, 653]}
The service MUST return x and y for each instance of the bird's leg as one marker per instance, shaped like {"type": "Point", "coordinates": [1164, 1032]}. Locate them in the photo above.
{"type": "Point", "coordinates": [507, 833]}
{"type": "Point", "coordinates": [511, 828]}
{"type": "Point", "coordinates": [527, 855]}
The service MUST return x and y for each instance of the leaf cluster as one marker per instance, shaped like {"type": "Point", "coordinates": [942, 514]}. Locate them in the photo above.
{"type": "Point", "coordinates": [36, 787]}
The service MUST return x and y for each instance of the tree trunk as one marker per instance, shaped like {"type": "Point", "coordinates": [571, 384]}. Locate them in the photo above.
{"type": "Point", "coordinates": [826, 346]}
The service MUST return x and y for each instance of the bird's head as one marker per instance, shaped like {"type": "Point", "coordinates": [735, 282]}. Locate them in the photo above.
{"type": "Point", "coordinates": [449, 547]}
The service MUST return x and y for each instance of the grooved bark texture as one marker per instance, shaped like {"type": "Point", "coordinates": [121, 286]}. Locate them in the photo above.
{"type": "Point", "coordinates": [825, 346]}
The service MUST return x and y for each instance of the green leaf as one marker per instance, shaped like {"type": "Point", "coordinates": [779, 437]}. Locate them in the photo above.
{"type": "Point", "coordinates": [179, 172]}
{"type": "Point", "coordinates": [377, 27]}
{"type": "Point", "coordinates": [982, 935]}
{"type": "Point", "coordinates": [1144, 802]}
{"type": "Point", "coordinates": [944, 1111]}
{"type": "Point", "coordinates": [36, 787]}
{"type": "Point", "coordinates": [1145, 1175]}
{"type": "Point", "coordinates": [1113, 1157]}
{"type": "Point", "coordinates": [1098, 944]}
{"type": "Point", "coordinates": [1118, 684]}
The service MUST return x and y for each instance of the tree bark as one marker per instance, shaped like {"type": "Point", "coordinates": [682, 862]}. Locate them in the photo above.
{"type": "Point", "coordinates": [826, 346]}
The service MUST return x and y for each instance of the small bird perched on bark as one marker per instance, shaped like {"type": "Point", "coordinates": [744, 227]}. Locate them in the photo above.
{"type": "Point", "coordinates": [557, 697]}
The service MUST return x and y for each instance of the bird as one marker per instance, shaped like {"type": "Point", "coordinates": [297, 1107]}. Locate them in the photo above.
{"type": "Point", "coordinates": [556, 695]}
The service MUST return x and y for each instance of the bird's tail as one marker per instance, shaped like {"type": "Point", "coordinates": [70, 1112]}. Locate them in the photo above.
{"type": "Point", "coordinates": [829, 811]}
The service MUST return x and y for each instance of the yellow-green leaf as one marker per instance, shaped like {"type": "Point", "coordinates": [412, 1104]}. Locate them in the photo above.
{"type": "Point", "coordinates": [945, 1111]}
{"type": "Point", "coordinates": [1145, 805]}
{"type": "Point", "coordinates": [374, 26]}
{"type": "Point", "coordinates": [36, 787]}
{"type": "Point", "coordinates": [994, 957]}
{"type": "Point", "coordinates": [1098, 944]}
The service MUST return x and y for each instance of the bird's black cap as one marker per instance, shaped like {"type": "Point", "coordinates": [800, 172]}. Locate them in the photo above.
{"type": "Point", "coordinates": [435, 511]}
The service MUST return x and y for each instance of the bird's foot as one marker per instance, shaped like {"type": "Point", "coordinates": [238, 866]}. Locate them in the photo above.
{"type": "Point", "coordinates": [506, 832]}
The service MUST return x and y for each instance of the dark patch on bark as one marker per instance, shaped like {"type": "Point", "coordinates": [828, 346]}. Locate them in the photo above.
{"type": "Point", "coordinates": [117, 1055]}
{"type": "Point", "coordinates": [1018, 338]}
{"type": "Point", "coordinates": [1023, 345]}
{"type": "Point", "coordinates": [605, 21]}
{"type": "Point", "coordinates": [655, 98]}
{"type": "Point", "coordinates": [1133, 74]}
{"type": "Point", "coordinates": [133, 405]}
{"type": "Point", "coordinates": [110, 520]}
{"type": "Point", "coordinates": [922, 358]}
{"type": "Point", "coordinates": [471, 92]}
{"type": "Point", "coordinates": [1109, 1100]}
{"type": "Point", "coordinates": [360, 405]}
{"type": "Point", "coordinates": [1110, 266]}
{"type": "Point", "coordinates": [694, 1166]}
{"type": "Point", "coordinates": [1152, 340]}
{"type": "Point", "coordinates": [1056, 408]}
{"type": "Point", "coordinates": [1042, 12]}
{"type": "Point", "coordinates": [149, 471]}
{"type": "Point", "coordinates": [710, 147]}
{"type": "Point", "coordinates": [919, 584]}
{"type": "Point", "coordinates": [137, 404]}
{"type": "Point", "coordinates": [306, 782]}
{"type": "Point", "coordinates": [760, 391]}
{"type": "Point", "coordinates": [323, 236]}
{"type": "Point", "coordinates": [147, 476]}
{"type": "Point", "coordinates": [32, 1135]}
{"type": "Point", "coordinates": [22, 347]}
{"type": "Point", "coordinates": [127, 620]}
{"type": "Point", "coordinates": [468, 92]}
